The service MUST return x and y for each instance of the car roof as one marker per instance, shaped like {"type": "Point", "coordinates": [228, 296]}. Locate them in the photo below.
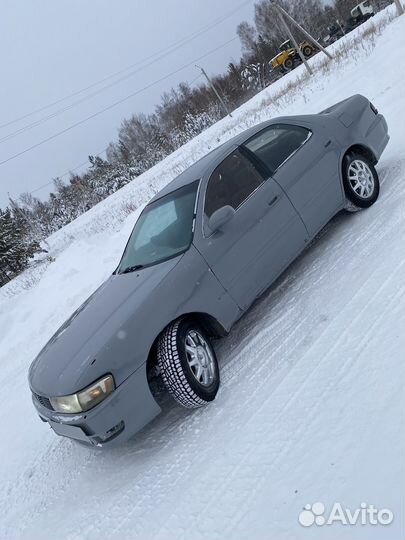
{"type": "Point", "coordinates": [207, 162]}
{"type": "Point", "coordinates": [213, 158]}
{"type": "Point", "coordinates": [197, 170]}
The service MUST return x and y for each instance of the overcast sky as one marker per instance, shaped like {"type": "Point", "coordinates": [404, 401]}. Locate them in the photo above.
{"type": "Point", "coordinates": [51, 49]}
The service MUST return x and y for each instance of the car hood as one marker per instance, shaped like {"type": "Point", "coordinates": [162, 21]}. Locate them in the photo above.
{"type": "Point", "coordinates": [93, 341]}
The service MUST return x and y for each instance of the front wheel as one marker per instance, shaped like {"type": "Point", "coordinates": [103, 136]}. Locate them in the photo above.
{"type": "Point", "coordinates": [188, 364]}
{"type": "Point", "coordinates": [307, 51]}
{"type": "Point", "coordinates": [360, 181]}
{"type": "Point", "coordinates": [288, 64]}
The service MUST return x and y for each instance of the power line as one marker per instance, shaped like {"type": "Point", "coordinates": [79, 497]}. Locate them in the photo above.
{"type": "Point", "coordinates": [147, 61]}
{"type": "Point", "coordinates": [84, 162]}
{"type": "Point", "coordinates": [109, 107]}
{"type": "Point", "coordinates": [68, 107]}
{"type": "Point", "coordinates": [66, 173]}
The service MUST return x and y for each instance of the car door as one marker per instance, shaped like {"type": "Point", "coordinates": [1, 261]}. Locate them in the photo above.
{"type": "Point", "coordinates": [304, 161]}
{"type": "Point", "coordinates": [262, 237]}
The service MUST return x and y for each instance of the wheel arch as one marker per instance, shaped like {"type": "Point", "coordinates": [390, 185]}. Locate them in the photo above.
{"type": "Point", "coordinates": [362, 149]}
{"type": "Point", "coordinates": [359, 149]}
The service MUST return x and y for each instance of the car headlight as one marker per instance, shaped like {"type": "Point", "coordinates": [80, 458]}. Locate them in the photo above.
{"type": "Point", "coordinates": [85, 399]}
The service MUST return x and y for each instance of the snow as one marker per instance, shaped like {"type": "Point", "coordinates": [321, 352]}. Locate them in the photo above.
{"type": "Point", "coordinates": [311, 403]}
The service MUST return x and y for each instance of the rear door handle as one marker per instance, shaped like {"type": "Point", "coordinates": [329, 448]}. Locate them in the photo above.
{"type": "Point", "coordinates": [328, 143]}
{"type": "Point", "coordinates": [273, 201]}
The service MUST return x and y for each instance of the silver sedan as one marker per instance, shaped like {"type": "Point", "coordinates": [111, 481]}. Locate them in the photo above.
{"type": "Point", "coordinates": [200, 253]}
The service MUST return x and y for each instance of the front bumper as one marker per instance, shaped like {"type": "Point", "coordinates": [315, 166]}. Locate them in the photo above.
{"type": "Point", "coordinates": [122, 414]}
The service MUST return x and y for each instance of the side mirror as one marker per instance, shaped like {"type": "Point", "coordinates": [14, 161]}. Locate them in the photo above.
{"type": "Point", "coordinates": [220, 217]}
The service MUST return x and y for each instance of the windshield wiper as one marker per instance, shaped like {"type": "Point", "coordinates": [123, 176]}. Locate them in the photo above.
{"type": "Point", "coordinates": [132, 268]}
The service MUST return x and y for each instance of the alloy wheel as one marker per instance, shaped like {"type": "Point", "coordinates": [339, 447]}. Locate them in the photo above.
{"type": "Point", "coordinates": [361, 179]}
{"type": "Point", "coordinates": [200, 358]}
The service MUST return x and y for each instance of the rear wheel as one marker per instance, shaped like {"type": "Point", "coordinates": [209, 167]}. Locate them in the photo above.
{"type": "Point", "coordinates": [307, 51]}
{"type": "Point", "coordinates": [360, 181]}
{"type": "Point", "coordinates": [188, 364]}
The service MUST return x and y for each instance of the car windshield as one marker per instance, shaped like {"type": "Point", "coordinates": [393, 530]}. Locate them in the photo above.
{"type": "Point", "coordinates": [163, 230]}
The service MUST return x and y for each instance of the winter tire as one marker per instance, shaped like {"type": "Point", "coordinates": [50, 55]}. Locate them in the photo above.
{"type": "Point", "coordinates": [360, 181]}
{"type": "Point", "coordinates": [188, 364]}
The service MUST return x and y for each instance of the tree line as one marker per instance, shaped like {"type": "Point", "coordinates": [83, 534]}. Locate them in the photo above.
{"type": "Point", "coordinates": [144, 140]}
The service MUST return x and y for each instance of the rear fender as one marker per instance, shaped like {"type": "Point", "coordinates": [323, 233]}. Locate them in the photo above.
{"type": "Point", "coordinates": [365, 130]}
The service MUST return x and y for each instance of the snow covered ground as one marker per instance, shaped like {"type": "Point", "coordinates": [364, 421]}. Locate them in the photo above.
{"type": "Point", "coordinates": [311, 404]}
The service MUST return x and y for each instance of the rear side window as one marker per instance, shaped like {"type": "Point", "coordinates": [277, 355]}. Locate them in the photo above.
{"type": "Point", "coordinates": [275, 144]}
{"type": "Point", "coordinates": [232, 182]}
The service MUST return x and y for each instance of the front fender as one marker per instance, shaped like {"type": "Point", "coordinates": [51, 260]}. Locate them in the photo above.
{"type": "Point", "coordinates": [189, 287]}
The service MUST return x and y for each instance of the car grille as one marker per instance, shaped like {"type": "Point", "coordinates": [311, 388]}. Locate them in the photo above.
{"type": "Point", "coordinates": [44, 401]}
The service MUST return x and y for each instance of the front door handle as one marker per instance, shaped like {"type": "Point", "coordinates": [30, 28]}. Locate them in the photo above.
{"type": "Point", "coordinates": [273, 201]}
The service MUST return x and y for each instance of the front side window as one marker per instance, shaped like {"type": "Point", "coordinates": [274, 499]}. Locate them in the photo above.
{"type": "Point", "coordinates": [232, 182]}
{"type": "Point", "coordinates": [275, 144]}
{"type": "Point", "coordinates": [163, 230]}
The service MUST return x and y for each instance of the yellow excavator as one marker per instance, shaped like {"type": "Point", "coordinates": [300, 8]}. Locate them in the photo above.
{"type": "Point", "coordinates": [288, 56]}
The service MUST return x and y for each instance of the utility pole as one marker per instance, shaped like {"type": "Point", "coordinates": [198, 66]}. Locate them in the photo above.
{"type": "Point", "coordinates": [227, 111]}
{"type": "Point", "coordinates": [306, 34]}
{"type": "Point", "coordinates": [400, 9]}
{"type": "Point", "coordinates": [292, 38]}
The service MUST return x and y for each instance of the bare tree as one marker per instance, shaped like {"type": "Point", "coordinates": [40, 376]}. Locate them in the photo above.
{"type": "Point", "coordinates": [248, 38]}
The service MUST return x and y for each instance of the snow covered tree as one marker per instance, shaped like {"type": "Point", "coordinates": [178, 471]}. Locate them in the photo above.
{"type": "Point", "coordinates": [15, 247]}
{"type": "Point", "coordinates": [254, 76]}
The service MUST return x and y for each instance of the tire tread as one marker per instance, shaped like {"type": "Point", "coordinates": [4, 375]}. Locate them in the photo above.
{"type": "Point", "coordinates": [172, 371]}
